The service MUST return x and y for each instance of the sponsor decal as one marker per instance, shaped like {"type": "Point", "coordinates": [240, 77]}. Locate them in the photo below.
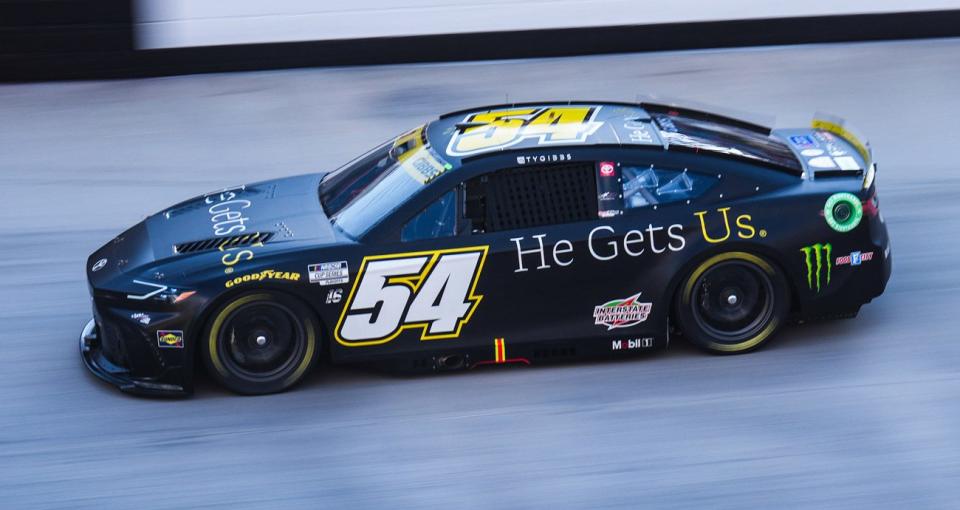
{"type": "Point", "coordinates": [231, 258]}
{"type": "Point", "coordinates": [822, 162]}
{"type": "Point", "coordinates": [608, 169]}
{"type": "Point", "coordinates": [803, 141]}
{"type": "Point", "coordinates": [824, 136]}
{"type": "Point", "coordinates": [170, 339]}
{"type": "Point", "coordinates": [638, 132]}
{"type": "Point", "coordinates": [334, 296]}
{"type": "Point", "coordinates": [833, 127]}
{"type": "Point", "coordinates": [608, 196]}
{"type": "Point", "coordinates": [433, 291]}
{"type": "Point", "coordinates": [847, 163]}
{"type": "Point", "coordinates": [744, 223]}
{"type": "Point", "coordinates": [666, 123]}
{"type": "Point", "coordinates": [855, 258]}
{"type": "Point", "coordinates": [227, 212]}
{"type": "Point", "coordinates": [603, 244]}
{"type": "Point", "coordinates": [141, 317]}
{"type": "Point", "coordinates": [621, 313]}
{"type": "Point", "coordinates": [98, 265]}
{"type": "Point", "coordinates": [631, 343]}
{"type": "Point", "coordinates": [843, 211]}
{"type": "Point", "coordinates": [424, 166]}
{"type": "Point", "coordinates": [811, 152]}
{"type": "Point", "coordinates": [329, 273]}
{"type": "Point", "coordinates": [419, 160]}
{"type": "Point", "coordinates": [835, 150]}
{"type": "Point", "coordinates": [498, 129]}
{"type": "Point", "coordinates": [818, 261]}
{"type": "Point", "coordinates": [544, 158]}
{"type": "Point", "coordinates": [266, 274]}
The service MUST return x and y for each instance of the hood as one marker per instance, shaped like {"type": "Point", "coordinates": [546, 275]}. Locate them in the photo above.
{"type": "Point", "coordinates": [268, 212]}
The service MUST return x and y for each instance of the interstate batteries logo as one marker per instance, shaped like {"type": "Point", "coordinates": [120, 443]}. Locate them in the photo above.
{"type": "Point", "coordinates": [622, 313]}
{"type": "Point", "coordinates": [819, 264]}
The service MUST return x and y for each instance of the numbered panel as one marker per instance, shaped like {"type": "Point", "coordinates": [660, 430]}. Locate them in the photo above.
{"type": "Point", "coordinates": [494, 130]}
{"type": "Point", "coordinates": [430, 290]}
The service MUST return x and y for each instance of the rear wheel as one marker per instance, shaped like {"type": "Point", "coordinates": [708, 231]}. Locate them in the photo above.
{"type": "Point", "coordinates": [261, 343]}
{"type": "Point", "coordinates": [732, 303]}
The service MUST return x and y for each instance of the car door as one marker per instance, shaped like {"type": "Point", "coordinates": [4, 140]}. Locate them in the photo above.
{"type": "Point", "coordinates": [579, 253]}
{"type": "Point", "coordinates": [536, 219]}
{"type": "Point", "coordinates": [417, 291]}
{"type": "Point", "coordinates": [493, 258]}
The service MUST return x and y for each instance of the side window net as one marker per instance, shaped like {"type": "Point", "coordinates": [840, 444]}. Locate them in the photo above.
{"type": "Point", "coordinates": [679, 184]}
{"type": "Point", "coordinates": [649, 185]}
{"type": "Point", "coordinates": [532, 196]}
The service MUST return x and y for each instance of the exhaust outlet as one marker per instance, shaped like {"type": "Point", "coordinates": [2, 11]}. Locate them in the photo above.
{"type": "Point", "coordinates": [450, 362]}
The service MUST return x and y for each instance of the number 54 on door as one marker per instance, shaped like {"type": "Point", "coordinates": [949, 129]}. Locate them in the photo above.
{"type": "Point", "coordinates": [433, 290]}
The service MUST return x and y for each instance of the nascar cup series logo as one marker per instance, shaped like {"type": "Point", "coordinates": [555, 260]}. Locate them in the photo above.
{"type": "Point", "coordinates": [622, 313]}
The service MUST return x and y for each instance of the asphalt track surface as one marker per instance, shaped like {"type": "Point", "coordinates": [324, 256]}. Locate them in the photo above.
{"type": "Point", "coordinates": [861, 413]}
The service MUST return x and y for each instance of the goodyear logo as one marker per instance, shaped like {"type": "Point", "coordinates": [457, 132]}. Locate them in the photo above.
{"type": "Point", "coordinates": [819, 264]}
{"type": "Point", "coordinates": [266, 274]}
{"type": "Point", "coordinates": [170, 339]}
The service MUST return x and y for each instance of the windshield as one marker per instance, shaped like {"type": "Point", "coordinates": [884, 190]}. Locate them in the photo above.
{"type": "Point", "coordinates": [360, 194]}
{"type": "Point", "coordinates": [726, 138]}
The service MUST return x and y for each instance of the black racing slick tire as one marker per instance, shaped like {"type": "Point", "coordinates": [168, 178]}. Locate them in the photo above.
{"type": "Point", "coordinates": [261, 342]}
{"type": "Point", "coordinates": [732, 303]}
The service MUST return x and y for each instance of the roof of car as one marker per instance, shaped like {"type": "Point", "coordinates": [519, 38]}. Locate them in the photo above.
{"type": "Point", "coordinates": [491, 129]}
{"type": "Point", "coordinates": [487, 129]}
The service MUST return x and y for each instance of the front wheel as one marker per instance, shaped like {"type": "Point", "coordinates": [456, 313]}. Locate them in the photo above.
{"type": "Point", "coordinates": [732, 303]}
{"type": "Point", "coordinates": [261, 343]}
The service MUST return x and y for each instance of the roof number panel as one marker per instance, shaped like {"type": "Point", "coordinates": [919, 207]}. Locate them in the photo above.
{"type": "Point", "coordinates": [549, 125]}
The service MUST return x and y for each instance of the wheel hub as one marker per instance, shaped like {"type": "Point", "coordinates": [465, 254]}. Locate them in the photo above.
{"type": "Point", "coordinates": [262, 339]}
{"type": "Point", "coordinates": [733, 300]}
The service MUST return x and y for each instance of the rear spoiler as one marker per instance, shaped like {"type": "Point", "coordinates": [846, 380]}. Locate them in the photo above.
{"type": "Point", "coordinates": [841, 128]}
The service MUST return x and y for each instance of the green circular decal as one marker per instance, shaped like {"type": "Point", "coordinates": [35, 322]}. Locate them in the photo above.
{"type": "Point", "coordinates": [843, 211]}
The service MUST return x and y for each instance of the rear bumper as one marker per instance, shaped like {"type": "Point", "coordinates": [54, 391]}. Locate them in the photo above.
{"type": "Point", "coordinates": [93, 357]}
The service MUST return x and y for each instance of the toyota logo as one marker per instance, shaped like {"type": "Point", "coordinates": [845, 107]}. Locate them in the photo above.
{"type": "Point", "coordinates": [99, 265]}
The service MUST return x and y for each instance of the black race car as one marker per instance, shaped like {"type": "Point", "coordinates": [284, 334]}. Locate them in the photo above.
{"type": "Point", "coordinates": [511, 234]}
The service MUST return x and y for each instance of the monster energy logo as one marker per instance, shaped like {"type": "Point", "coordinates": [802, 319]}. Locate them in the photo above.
{"type": "Point", "coordinates": [818, 254]}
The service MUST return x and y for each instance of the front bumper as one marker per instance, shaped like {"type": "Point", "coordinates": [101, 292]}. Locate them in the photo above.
{"type": "Point", "coordinates": [91, 352]}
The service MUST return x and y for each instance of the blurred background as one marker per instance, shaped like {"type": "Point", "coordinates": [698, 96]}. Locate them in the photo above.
{"type": "Point", "coordinates": [113, 109]}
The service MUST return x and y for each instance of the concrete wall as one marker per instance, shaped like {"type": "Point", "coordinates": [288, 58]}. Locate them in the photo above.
{"type": "Point", "coordinates": [187, 23]}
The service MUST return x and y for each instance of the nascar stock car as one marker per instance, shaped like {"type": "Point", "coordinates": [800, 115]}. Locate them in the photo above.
{"type": "Point", "coordinates": [511, 234]}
